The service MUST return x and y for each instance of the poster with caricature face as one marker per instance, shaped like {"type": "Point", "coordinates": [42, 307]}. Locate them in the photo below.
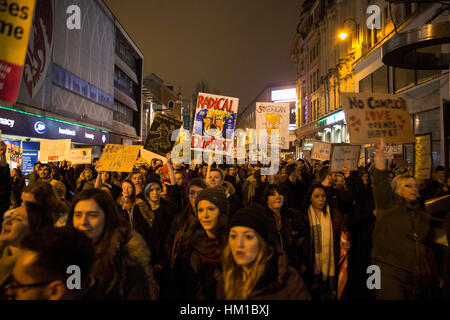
{"type": "Point", "coordinates": [215, 117]}
{"type": "Point", "coordinates": [274, 116]}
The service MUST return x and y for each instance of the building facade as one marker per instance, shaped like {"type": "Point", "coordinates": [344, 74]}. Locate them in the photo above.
{"type": "Point", "coordinates": [328, 65]}
{"type": "Point", "coordinates": [284, 91]}
{"type": "Point", "coordinates": [79, 84]}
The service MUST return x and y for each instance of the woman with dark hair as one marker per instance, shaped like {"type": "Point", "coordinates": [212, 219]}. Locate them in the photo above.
{"type": "Point", "coordinates": [254, 266]}
{"type": "Point", "coordinates": [23, 220]}
{"type": "Point", "coordinates": [43, 193]}
{"type": "Point", "coordinates": [122, 264]}
{"type": "Point", "coordinates": [201, 254]}
{"type": "Point", "coordinates": [17, 186]}
{"type": "Point", "coordinates": [322, 244]}
{"type": "Point", "coordinates": [287, 224]}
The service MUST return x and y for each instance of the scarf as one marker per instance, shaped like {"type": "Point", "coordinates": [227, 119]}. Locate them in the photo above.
{"type": "Point", "coordinates": [322, 233]}
{"type": "Point", "coordinates": [207, 250]}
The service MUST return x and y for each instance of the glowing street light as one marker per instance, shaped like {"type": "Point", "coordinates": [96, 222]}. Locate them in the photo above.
{"type": "Point", "coordinates": [343, 35]}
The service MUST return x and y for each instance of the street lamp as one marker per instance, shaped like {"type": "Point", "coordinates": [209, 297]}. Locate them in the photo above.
{"type": "Point", "coordinates": [343, 35]}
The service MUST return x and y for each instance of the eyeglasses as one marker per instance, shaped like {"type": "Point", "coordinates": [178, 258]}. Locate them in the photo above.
{"type": "Point", "coordinates": [412, 186]}
{"type": "Point", "coordinates": [10, 289]}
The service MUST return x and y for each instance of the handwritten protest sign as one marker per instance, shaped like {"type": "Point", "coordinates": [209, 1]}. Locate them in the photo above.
{"type": "Point", "coordinates": [54, 150]}
{"type": "Point", "coordinates": [321, 151]}
{"type": "Point", "coordinates": [422, 157]}
{"type": "Point", "coordinates": [215, 118]}
{"type": "Point", "coordinates": [118, 157]}
{"type": "Point", "coordinates": [393, 151]}
{"type": "Point", "coordinates": [345, 156]}
{"type": "Point", "coordinates": [13, 153]}
{"type": "Point", "coordinates": [159, 138]}
{"type": "Point", "coordinates": [81, 156]}
{"type": "Point", "coordinates": [274, 116]}
{"type": "Point", "coordinates": [370, 117]}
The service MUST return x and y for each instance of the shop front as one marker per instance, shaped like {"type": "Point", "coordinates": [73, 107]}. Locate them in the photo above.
{"type": "Point", "coordinates": [25, 130]}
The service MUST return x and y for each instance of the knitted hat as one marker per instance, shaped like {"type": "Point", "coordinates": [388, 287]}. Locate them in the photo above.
{"type": "Point", "coordinates": [253, 217]}
{"type": "Point", "coordinates": [216, 196]}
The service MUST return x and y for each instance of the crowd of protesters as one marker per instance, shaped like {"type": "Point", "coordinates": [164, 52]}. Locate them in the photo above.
{"type": "Point", "coordinates": [172, 231]}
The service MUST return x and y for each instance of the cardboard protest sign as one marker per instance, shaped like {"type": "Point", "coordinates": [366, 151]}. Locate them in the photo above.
{"type": "Point", "coordinates": [393, 151]}
{"type": "Point", "coordinates": [423, 161]}
{"type": "Point", "coordinates": [148, 156]}
{"type": "Point", "coordinates": [370, 117]}
{"type": "Point", "coordinates": [344, 155]}
{"type": "Point", "coordinates": [159, 138]}
{"type": "Point", "coordinates": [13, 153]}
{"type": "Point", "coordinates": [271, 116]}
{"type": "Point", "coordinates": [321, 151]}
{"type": "Point", "coordinates": [15, 21]}
{"type": "Point", "coordinates": [81, 156]}
{"type": "Point", "coordinates": [215, 118]}
{"type": "Point", "coordinates": [54, 150]}
{"type": "Point", "coordinates": [118, 157]}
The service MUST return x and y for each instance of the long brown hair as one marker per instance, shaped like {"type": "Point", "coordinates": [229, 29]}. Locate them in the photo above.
{"type": "Point", "coordinates": [115, 233]}
{"type": "Point", "coordinates": [46, 196]}
{"type": "Point", "coordinates": [238, 284]}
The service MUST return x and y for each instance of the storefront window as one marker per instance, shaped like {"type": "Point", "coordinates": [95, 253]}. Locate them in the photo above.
{"type": "Point", "coordinates": [365, 85]}
{"type": "Point", "coordinates": [403, 78]}
{"type": "Point", "coordinates": [426, 122]}
{"type": "Point", "coordinates": [380, 80]}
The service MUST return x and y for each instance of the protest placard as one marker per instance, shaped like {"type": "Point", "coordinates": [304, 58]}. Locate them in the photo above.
{"type": "Point", "coordinates": [15, 21]}
{"type": "Point", "coordinates": [274, 116]}
{"type": "Point", "coordinates": [344, 155]}
{"type": "Point", "coordinates": [81, 156]}
{"type": "Point", "coordinates": [13, 153]}
{"type": "Point", "coordinates": [54, 150]}
{"type": "Point", "coordinates": [321, 151]}
{"type": "Point", "coordinates": [118, 157]}
{"type": "Point", "coordinates": [148, 156]}
{"type": "Point", "coordinates": [423, 161]}
{"type": "Point", "coordinates": [215, 117]}
{"type": "Point", "coordinates": [159, 138]}
{"type": "Point", "coordinates": [393, 151]}
{"type": "Point", "coordinates": [370, 117]}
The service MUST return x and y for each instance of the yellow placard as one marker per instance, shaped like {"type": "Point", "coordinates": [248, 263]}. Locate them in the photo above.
{"type": "Point", "coordinates": [118, 158]}
{"type": "Point", "coordinates": [81, 156]}
{"type": "Point", "coordinates": [15, 25]}
{"type": "Point", "coordinates": [54, 150]}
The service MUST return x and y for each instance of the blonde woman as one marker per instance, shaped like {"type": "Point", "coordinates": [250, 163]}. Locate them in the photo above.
{"type": "Point", "coordinates": [401, 238]}
{"type": "Point", "coordinates": [254, 267]}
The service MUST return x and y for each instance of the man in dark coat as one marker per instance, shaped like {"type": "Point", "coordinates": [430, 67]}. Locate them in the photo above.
{"type": "Point", "coordinates": [295, 188]}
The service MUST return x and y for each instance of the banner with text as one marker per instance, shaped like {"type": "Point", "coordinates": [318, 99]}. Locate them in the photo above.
{"type": "Point", "coordinates": [321, 151]}
{"type": "Point", "coordinates": [159, 138]}
{"type": "Point", "coordinates": [215, 116]}
{"type": "Point", "coordinates": [118, 157]}
{"type": "Point", "coordinates": [345, 156]}
{"type": "Point", "coordinates": [393, 151]}
{"type": "Point", "coordinates": [54, 150]}
{"type": "Point", "coordinates": [423, 161]}
{"type": "Point", "coordinates": [370, 117]}
{"type": "Point", "coordinates": [274, 116]}
{"type": "Point", "coordinates": [13, 153]}
{"type": "Point", "coordinates": [81, 156]}
{"type": "Point", "coordinates": [15, 24]}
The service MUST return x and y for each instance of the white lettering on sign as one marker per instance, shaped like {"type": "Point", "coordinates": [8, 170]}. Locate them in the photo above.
{"type": "Point", "coordinates": [67, 132]}
{"type": "Point", "coordinates": [7, 122]}
{"type": "Point", "coordinates": [89, 136]}
{"type": "Point", "coordinates": [340, 116]}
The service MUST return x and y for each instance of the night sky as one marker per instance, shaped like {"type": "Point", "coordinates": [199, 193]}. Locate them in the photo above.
{"type": "Point", "coordinates": [237, 46]}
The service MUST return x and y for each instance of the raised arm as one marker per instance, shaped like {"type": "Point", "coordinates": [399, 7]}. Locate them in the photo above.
{"type": "Point", "coordinates": [173, 180]}
{"type": "Point", "coordinates": [382, 192]}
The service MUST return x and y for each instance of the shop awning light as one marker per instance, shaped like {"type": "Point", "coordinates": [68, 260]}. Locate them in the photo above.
{"type": "Point", "coordinates": [53, 119]}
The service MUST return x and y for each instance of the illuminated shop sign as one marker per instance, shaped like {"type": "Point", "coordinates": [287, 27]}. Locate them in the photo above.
{"type": "Point", "coordinates": [284, 95]}
{"type": "Point", "coordinates": [21, 123]}
{"type": "Point", "coordinates": [334, 118]}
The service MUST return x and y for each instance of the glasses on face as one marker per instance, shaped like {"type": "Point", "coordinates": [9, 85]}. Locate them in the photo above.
{"type": "Point", "coordinates": [12, 288]}
{"type": "Point", "coordinates": [411, 186]}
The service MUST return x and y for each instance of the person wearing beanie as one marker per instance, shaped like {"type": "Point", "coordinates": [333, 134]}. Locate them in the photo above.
{"type": "Point", "coordinates": [203, 246]}
{"type": "Point", "coordinates": [254, 265]}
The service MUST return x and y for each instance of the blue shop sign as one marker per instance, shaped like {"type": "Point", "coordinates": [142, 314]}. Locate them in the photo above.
{"type": "Point", "coordinates": [29, 158]}
{"type": "Point", "coordinates": [24, 124]}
